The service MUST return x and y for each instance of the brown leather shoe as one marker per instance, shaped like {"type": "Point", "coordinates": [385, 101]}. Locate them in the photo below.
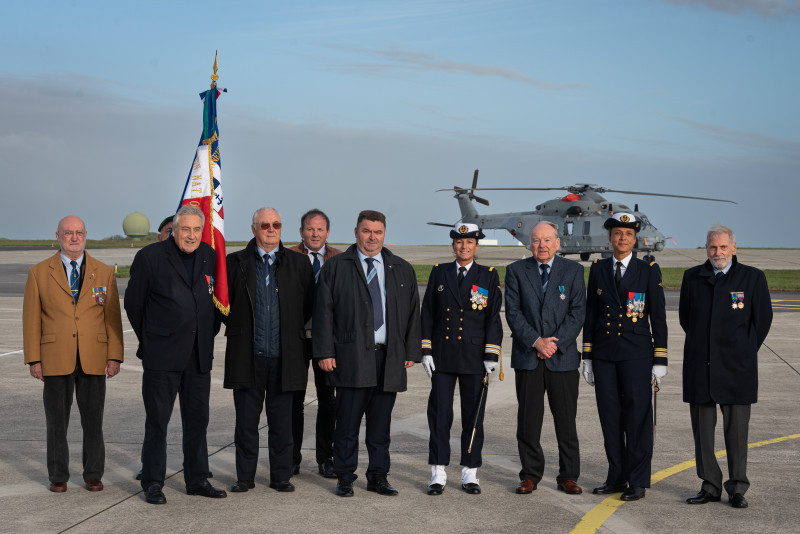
{"type": "Point", "coordinates": [58, 487]}
{"type": "Point", "coordinates": [526, 486]}
{"type": "Point", "coordinates": [94, 484]}
{"type": "Point", "coordinates": [570, 487]}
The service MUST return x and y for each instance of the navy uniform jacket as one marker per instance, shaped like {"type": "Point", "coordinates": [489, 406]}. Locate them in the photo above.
{"type": "Point", "coordinates": [458, 336]}
{"type": "Point", "coordinates": [342, 325]}
{"type": "Point", "coordinates": [532, 314]}
{"type": "Point", "coordinates": [608, 334]}
{"type": "Point", "coordinates": [169, 312]}
{"type": "Point", "coordinates": [720, 355]}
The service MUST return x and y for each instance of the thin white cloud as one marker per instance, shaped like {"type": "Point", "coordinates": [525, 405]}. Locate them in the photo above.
{"type": "Point", "coordinates": [772, 8]}
{"type": "Point", "coordinates": [422, 61]}
{"type": "Point", "coordinates": [746, 138]}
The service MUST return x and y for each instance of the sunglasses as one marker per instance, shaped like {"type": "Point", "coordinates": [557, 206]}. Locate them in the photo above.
{"type": "Point", "coordinates": [265, 226]}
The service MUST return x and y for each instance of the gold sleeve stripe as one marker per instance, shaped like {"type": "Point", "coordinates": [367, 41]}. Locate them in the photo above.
{"type": "Point", "coordinates": [426, 344]}
{"type": "Point", "coordinates": [587, 347]}
{"type": "Point", "coordinates": [492, 349]}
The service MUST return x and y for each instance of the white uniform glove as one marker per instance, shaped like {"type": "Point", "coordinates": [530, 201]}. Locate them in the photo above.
{"type": "Point", "coordinates": [489, 366]}
{"type": "Point", "coordinates": [659, 372]}
{"type": "Point", "coordinates": [427, 364]}
{"type": "Point", "coordinates": [588, 374]}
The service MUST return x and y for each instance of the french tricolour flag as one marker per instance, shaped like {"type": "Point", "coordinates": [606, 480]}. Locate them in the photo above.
{"type": "Point", "coordinates": [204, 190]}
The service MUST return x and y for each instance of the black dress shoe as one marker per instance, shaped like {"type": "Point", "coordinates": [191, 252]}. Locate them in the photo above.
{"type": "Point", "coordinates": [737, 500]}
{"type": "Point", "coordinates": [435, 489]}
{"type": "Point", "coordinates": [382, 487]}
{"type": "Point", "coordinates": [206, 490]}
{"type": "Point", "coordinates": [344, 488]}
{"type": "Point", "coordinates": [633, 493]}
{"type": "Point", "coordinates": [703, 497]}
{"type": "Point", "coordinates": [605, 488]}
{"type": "Point", "coordinates": [154, 495]}
{"type": "Point", "coordinates": [326, 469]}
{"type": "Point", "coordinates": [242, 485]}
{"type": "Point", "coordinates": [296, 469]}
{"type": "Point", "coordinates": [472, 488]}
{"type": "Point", "coordinates": [283, 486]}
{"type": "Point", "coordinates": [138, 475]}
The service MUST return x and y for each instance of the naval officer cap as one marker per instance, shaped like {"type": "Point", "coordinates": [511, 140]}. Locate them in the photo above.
{"type": "Point", "coordinates": [462, 230]}
{"type": "Point", "coordinates": [622, 220]}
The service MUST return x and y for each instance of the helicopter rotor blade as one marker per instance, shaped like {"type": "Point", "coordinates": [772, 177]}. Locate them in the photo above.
{"type": "Point", "coordinates": [520, 189]}
{"type": "Point", "coordinates": [479, 199]}
{"type": "Point", "coordinates": [440, 224]}
{"type": "Point", "coordinates": [666, 195]}
{"type": "Point", "coordinates": [475, 179]}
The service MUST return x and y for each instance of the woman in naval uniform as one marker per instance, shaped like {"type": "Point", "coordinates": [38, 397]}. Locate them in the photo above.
{"type": "Point", "coordinates": [624, 351]}
{"type": "Point", "coordinates": [461, 338]}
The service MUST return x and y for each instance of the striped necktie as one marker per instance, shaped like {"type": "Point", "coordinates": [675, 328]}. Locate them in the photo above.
{"type": "Point", "coordinates": [374, 293]}
{"type": "Point", "coordinates": [74, 280]}
{"type": "Point", "coordinates": [316, 266]}
{"type": "Point", "coordinates": [545, 275]}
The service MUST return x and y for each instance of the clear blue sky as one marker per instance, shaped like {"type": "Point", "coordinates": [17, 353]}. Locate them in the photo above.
{"type": "Point", "coordinates": [372, 104]}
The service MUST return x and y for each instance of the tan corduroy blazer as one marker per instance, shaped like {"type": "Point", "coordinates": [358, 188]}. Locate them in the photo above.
{"type": "Point", "coordinates": [54, 327]}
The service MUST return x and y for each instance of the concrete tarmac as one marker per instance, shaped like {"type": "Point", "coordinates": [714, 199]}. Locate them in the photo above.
{"type": "Point", "coordinates": [26, 505]}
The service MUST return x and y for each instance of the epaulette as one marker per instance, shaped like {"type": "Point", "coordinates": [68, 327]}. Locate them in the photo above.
{"type": "Point", "coordinates": [436, 265]}
{"type": "Point", "coordinates": [491, 269]}
{"type": "Point", "coordinates": [652, 263]}
{"type": "Point", "coordinates": [595, 260]}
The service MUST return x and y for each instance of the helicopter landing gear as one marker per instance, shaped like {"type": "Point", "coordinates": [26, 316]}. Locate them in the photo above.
{"type": "Point", "coordinates": [585, 256]}
{"type": "Point", "coordinates": [649, 258]}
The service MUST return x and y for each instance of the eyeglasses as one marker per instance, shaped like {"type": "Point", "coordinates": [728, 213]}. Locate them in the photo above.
{"type": "Point", "coordinates": [265, 226]}
{"type": "Point", "coordinates": [69, 233]}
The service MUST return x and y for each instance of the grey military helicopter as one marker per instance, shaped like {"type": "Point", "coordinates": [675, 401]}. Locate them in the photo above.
{"type": "Point", "coordinates": [579, 215]}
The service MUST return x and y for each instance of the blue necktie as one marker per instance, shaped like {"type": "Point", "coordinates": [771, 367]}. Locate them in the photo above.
{"type": "Point", "coordinates": [719, 275]}
{"type": "Point", "coordinates": [316, 266]}
{"type": "Point", "coordinates": [545, 275]}
{"type": "Point", "coordinates": [374, 293]}
{"type": "Point", "coordinates": [74, 280]}
{"type": "Point", "coordinates": [266, 268]}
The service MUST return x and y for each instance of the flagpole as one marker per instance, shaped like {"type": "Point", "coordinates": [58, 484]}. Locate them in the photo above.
{"type": "Point", "coordinates": [214, 76]}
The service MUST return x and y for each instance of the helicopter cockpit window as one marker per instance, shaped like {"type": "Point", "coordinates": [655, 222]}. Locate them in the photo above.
{"type": "Point", "coordinates": [568, 227]}
{"type": "Point", "coordinates": [644, 221]}
{"type": "Point", "coordinates": [586, 227]}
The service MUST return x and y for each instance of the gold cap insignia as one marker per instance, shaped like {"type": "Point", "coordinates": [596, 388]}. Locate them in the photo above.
{"type": "Point", "coordinates": [624, 218]}
{"type": "Point", "coordinates": [463, 229]}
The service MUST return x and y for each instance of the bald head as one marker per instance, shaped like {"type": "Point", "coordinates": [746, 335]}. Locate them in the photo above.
{"type": "Point", "coordinates": [71, 235]}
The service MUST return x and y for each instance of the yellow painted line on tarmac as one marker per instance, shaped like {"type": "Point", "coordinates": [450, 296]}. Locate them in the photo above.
{"type": "Point", "coordinates": [594, 518]}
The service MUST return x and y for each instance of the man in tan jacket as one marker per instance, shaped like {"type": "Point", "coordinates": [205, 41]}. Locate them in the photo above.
{"type": "Point", "coordinates": [72, 340]}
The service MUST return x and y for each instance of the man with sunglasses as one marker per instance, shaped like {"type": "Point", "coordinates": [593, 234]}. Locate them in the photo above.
{"type": "Point", "coordinates": [271, 293]}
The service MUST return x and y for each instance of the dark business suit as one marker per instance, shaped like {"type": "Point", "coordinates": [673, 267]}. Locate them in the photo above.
{"type": "Point", "coordinates": [720, 363]}
{"type": "Point", "coordinates": [173, 316]}
{"type": "Point", "coordinates": [326, 413]}
{"type": "Point", "coordinates": [459, 337]}
{"type": "Point", "coordinates": [623, 352]}
{"type": "Point", "coordinates": [367, 378]}
{"type": "Point", "coordinates": [533, 313]}
{"type": "Point", "coordinates": [257, 377]}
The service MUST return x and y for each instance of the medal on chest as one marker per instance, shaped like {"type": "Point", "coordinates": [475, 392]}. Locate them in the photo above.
{"type": "Point", "coordinates": [737, 298]}
{"type": "Point", "coordinates": [561, 290]}
{"type": "Point", "coordinates": [210, 280]}
{"type": "Point", "coordinates": [635, 306]}
{"type": "Point", "coordinates": [479, 297]}
{"type": "Point", "coordinates": [99, 294]}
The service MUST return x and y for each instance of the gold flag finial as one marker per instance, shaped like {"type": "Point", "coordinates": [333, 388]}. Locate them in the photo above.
{"type": "Point", "coordinates": [214, 76]}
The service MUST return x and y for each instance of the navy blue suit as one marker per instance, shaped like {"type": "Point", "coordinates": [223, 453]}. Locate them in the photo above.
{"type": "Point", "coordinates": [624, 352]}
{"type": "Point", "coordinates": [460, 338]}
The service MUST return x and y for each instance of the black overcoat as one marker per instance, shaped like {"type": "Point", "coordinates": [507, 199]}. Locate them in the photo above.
{"type": "Point", "coordinates": [295, 280]}
{"type": "Point", "coordinates": [720, 354]}
{"type": "Point", "coordinates": [168, 312]}
{"type": "Point", "coordinates": [343, 329]}
{"type": "Point", "coordinates": [458, 336]}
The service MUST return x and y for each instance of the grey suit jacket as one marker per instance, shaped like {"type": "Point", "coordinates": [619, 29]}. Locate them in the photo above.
{"type": "Point", "coordinates": [558, 312]}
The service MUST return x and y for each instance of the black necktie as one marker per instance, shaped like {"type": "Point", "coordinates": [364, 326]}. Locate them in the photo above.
{"type": "Point", "coordinates": [618, 274]}
{"type": "Point", "coordinates": [545, 275]}
{"type": "Point", "coordinates": [462, 271]}
{"type": "Point", "coordinates": [74, 280]}
{"type": "Point", "coordinates": [316, 266]}
{"type": "Point", "coordinates": [720, 275]}
{"type": "Point", "coordinates": [374, 293]}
